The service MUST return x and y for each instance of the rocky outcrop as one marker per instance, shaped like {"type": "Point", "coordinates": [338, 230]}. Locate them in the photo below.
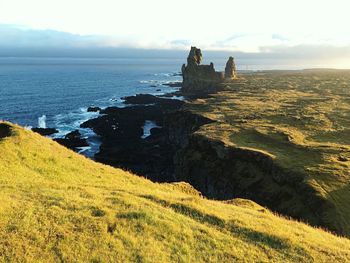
{"type": "Point", "coordinates": [93, 109]}
{"type": "Point", "coordinates": [225, 172]}
{"type": "Point", "coordinates": [230, 69]}
{"type": "Point", "coordinates": [73, 140]}
{"type": "Point", "coordinates": [45, 131]}
{"type": "Point", "coordinates": [124, 144]}
{"type": "Point", "coordinates": [173, 84]}
{"type": "Point", "coordinates": [199, 79]}
{"type": "Point", "coordinates": [144, 99]}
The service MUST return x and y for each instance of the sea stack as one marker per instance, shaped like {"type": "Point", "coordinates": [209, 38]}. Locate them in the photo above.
{"type": "Point", "coordinates": [199, 78]}
{"type": "Point", "coordinates": [230, 69]}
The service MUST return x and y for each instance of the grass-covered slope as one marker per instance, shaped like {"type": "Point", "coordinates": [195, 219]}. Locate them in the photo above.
{"type": "Point", "coordinates": [57, 206]}
{"type": "Point", "coordinates": [299, 119]}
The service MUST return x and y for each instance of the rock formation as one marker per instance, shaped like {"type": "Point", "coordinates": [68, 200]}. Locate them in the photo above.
{"type": "Point", "coordinates": [199, 78]}
{"type": "Point", "coordinates": [93, 109]}
{"type": "Point", "coordinates": [73, 140]}
{"type": "Point", "coordinates": [230, 69]}
{"type": "Point", "coordinates": [45, 131]}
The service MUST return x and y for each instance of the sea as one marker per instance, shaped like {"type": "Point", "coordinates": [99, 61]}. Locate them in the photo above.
{"type": "Point", "coordinates": [56, 92]}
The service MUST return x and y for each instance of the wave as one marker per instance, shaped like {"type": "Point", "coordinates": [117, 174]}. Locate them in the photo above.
{"type": "Point", "coordinates": [147, 128]}
{"type": "Point", "coordinates": [151, 81]}
{"type": "Point", "coordinates": [42, 121]}
{"type": "Point", "coordinates": [164, 74]}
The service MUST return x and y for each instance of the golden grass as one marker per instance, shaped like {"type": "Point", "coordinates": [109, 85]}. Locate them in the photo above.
{"type": "Point", "coordinates": [57, 206]}
{"type": "Point", "coordinates": [302, 119]}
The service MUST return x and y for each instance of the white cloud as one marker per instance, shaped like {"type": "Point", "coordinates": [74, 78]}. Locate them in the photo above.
{"type": "Point", "coordinates": [205, 23]}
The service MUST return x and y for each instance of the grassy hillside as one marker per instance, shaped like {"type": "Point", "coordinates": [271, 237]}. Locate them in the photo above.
{"type": "Point", "coordinates": [57, 206]}
{"type": "Point", "coordinates": [300, 119]}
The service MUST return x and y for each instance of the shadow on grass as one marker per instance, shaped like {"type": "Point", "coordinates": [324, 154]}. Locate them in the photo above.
{"type": "Point", "coordinates": [258, 238]}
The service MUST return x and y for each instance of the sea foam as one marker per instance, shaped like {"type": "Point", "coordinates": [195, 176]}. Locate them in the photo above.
{"type": "Point", "coordinates": [42, 122]}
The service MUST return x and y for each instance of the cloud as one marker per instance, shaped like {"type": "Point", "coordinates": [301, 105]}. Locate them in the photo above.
{"type": "Point", "coordinates": [19, 36]}
{"type": "Point", "coordinates": [279, 37]}
{"type": "Point", "coordinates": [304, 51]}
{"type": "Point", "coordinates": [23, 37]}
{"type": "Point", "coordinates": [250, 42]}
{"type": "Point", "coordinates": [180, 43]}
{"type": "Point", "coordinates": [22, 41]}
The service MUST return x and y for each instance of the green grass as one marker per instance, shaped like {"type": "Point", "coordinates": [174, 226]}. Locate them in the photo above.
{"type": "Point", "coordinates": [300, 119]}
{"type": "Point", "coordinates": [58, 206]}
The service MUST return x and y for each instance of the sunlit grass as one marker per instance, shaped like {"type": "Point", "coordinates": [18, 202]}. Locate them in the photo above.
{"type": "Point", "coordinates": [59, 206]}
{"type": "Point", "coordinates": [301, 119]}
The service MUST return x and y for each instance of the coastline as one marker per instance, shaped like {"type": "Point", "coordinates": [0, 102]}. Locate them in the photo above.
{"type": "Point", "coordinates": [188, 142]}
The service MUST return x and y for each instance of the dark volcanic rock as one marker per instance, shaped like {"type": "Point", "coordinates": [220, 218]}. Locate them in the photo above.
{"type": "Point", "coordinates": [93, 109]}
{"type": "Point", "coordinates": [141, 99]}
{"type": "Point", "coordinates": [146, 99]}
{"type": "Point", "coordinates": [45, 131]}
{"type": "Point", "coordinates": [225, 172]}
{"type": "Point", "coordinates": [72, 140]}
{"type": "Point", "coordinates": [173, 84]}
{"type": "Point", "coordinates": [121, 130]}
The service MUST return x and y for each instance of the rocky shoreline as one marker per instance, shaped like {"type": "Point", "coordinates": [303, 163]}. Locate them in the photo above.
{"type": "Point", "coordinates": [124, 143]}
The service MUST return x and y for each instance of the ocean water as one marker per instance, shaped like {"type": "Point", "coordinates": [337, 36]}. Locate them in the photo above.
{"type": "Point", "coordinates": [56, 92]}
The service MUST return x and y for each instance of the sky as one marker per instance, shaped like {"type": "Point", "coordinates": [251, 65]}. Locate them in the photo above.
{"type": "Point", "coordinates": [249, 26]}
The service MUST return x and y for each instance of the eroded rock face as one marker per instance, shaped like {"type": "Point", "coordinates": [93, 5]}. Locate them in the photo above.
{"type": "Point", "coordinates": [199, 79]}
{"type": "Point", "coordinates": [123, 145]}
{"type": "Point", "coordinates": [225, 172]}
{"type": "Point", "coordinates": [230, 69]}
{"type": "Point", "coordinates": [195, 57]}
